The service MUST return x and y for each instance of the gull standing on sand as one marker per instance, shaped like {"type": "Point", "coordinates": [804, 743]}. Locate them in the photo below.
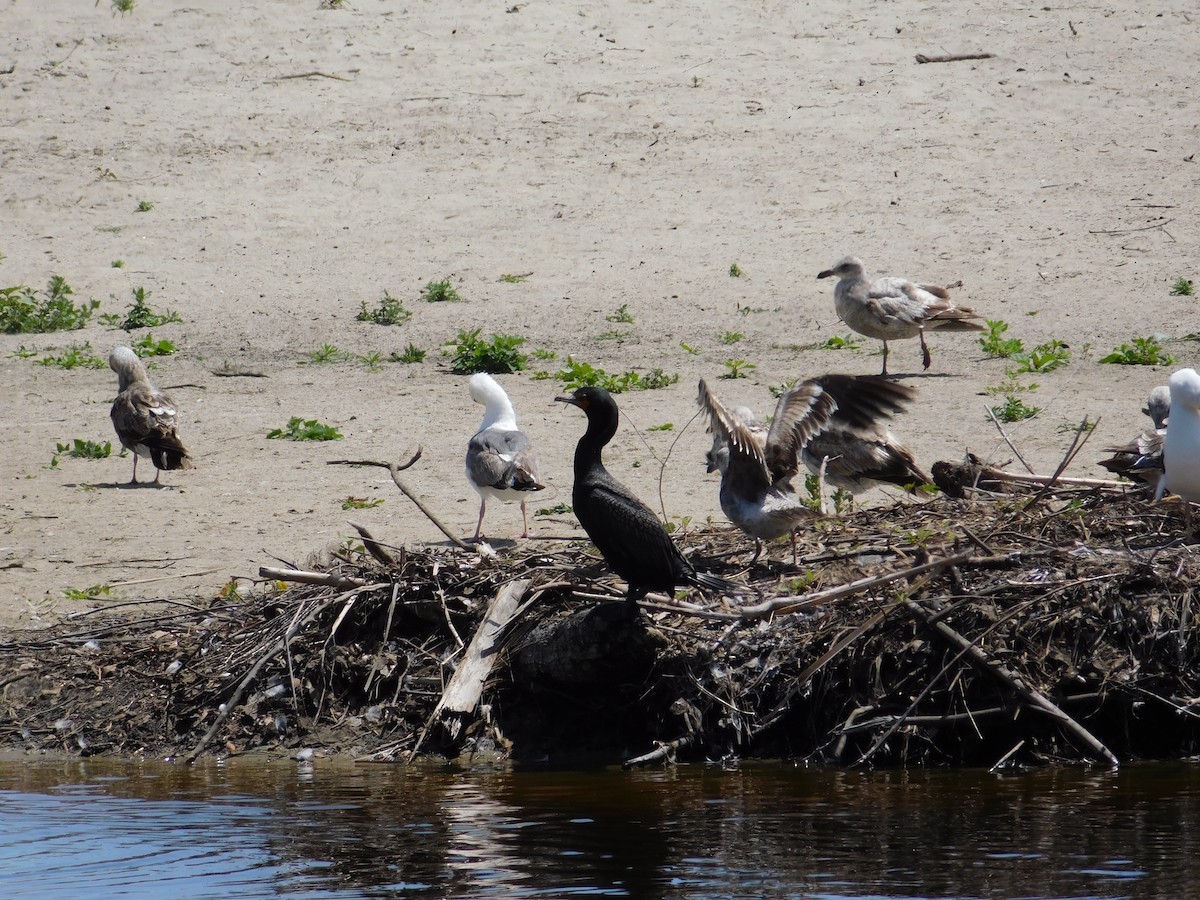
{"type": "Point", "coordinates": [144, 417]}
{"type": "Point", "coordinates": [834, 421]}
{"type": "Point", "coordinates": [501, 462]}
{"type": "Point", "coordinates": [893, 309]}
{"type": "Point", "coordinates": [1181, 446]}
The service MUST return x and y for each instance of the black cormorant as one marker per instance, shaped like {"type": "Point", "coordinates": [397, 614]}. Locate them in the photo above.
{"type": "Point", "coordinates": [628, 535]}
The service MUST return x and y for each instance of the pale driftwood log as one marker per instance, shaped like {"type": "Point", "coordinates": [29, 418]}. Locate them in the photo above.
{"type": "Point", "coordinates": [461, 696]}
{"type": "Point", "coordinates": [330, 579]}
{"type": "Point", "coordinates": [1010, 679]}
{"type": "Point", "coordinates": [952, 57]}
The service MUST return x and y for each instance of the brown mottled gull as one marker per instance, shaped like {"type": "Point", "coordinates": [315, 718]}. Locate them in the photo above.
{"type": "Point", "coordinates": [144, 417]}
{"type": "Point", "coordinates": [892, 309]}
{"type": "Point", "coordinates": [835, 421]}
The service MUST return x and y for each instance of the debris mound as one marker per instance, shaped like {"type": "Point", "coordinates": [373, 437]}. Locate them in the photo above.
{"type": "Point", "coordinates": [1008, 629]}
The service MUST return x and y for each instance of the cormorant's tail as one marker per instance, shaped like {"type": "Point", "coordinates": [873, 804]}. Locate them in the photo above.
{"type": "Point", "coordinates": [716, 583]}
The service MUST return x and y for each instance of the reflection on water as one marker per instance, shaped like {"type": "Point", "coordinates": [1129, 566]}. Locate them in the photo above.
{"type": "Point", "coordinates": [243, 829]}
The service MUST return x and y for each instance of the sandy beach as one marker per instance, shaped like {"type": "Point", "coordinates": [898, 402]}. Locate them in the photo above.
{"type": "Point", "coordinates": [265, 169]}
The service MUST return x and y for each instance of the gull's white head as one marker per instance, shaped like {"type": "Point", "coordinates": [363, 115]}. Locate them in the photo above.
{"type": "Point", "coordinates": [498, 409]}
{"type": "Point", "coordinates": [1185, 390]}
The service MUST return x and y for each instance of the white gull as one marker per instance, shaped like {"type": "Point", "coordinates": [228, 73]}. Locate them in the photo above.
{"type": "Point", "coordinates": [1181, 446]}
{"type": "Point", "coordinates": [501, 461]}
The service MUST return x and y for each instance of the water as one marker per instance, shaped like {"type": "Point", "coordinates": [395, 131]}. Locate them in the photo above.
{"type": "Point", "coordinates": [100, 828]}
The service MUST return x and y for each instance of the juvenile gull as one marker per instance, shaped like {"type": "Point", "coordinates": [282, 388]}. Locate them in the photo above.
{"type": "Point", "coordinates": [628, 535]}
{"type": "Point", "coordinates": [892, 309]}
{"type": "Point", "coordinates": [144, 417]}
{"type": "Point", "coordinates": [835, 421]}
{"type": "Point", "coordinates": [1181, 446]}
{"type": "Point", "coordinates": [501, 461]}
{"type": "Point", "coordinates": [1142, 458]}
{"type": "Point", "coordinates": [757, 464]}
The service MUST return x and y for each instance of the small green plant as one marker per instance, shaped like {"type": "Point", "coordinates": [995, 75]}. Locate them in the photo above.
{"type": "Point", "coordinates": [995, 344]}
{"type": "Point", "coordinates": [1014, 409]}
{"type": "Point", "coordinates": [298, 429]}
{"type": "Point", "coordinates": [803, 583]}
{"type": "Point", "coordinates": [738, 368]}
{"type": "Point", "coordinates": [688, 348]}
{"type": "Point", "coordinates": [616, 334]}
{"type": "Point", "coordinates": [390, 311]}
{"type": "Point", "coordinates": [1043, 358]}
{"type": "Point", "coordinates": [1183, 287]}
{"type": "Point", "coordinates": [778, 390]}
{"type": "Point", "coordinates": [842, 499]}
{"type": "Point", "coordinates": [410, 354]}
{"type": "Point", "coordinates": [96, 591]}
{"type": "Point", "coordinates": [513, 279]}
{"type": "Point", "coordinates": [1142, 352]}
{"type": "Point", "coordinates": [22, 311]}
{"type": "Point", "coordinates": [362, 502]}
{"type": "Point", "coordinates": [543, 354]}
{"type": "Point", "coordinates": [730, 337]}
{"type": "Point", "coordinates": [80, 448]}
{"type": "Point", "coordinates": [558, 509]}
{"type": "Point", "coordinates": [110, 229]}
{"type": "Point", "coordinates": [140, 314]}
{"type": "Point", "coordinates": [665, 426]}
{"type": "Point", "coordinates": [76, 356]}
{"type": "Point", "coordinates": [622, 315]}
{"type": "Point", "coordinates": [735, 271]}
{"type": "Point", "coordinates": [327, 353]}
{"type": "Point", "coordinates": [148, 346]}
{"type": "Point", "coordinates": [123, 6]}
{"type": "Point", "coordinates": [23, 352]}
{"type": "Point", "coordinates": [501, 354]}
{"type": "Point", "coordinates": [371, 360]}
{"type": "Point", "coordinates": [440, 292]}
{"type": "Point", "coordinates": [144, 205]}
{"type": "Point", "coordinates": [1010, 385]}
{"type": "Point", "coordinates": [840, 342]}
{"type": "Point", "coordinates": [581, 374]}
{"type": "Point", "coordinates": [118, 263]}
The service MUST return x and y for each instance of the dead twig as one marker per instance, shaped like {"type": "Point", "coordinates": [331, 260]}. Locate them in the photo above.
{"type": "Point", "coordinates": [665, 751]}
{"type": "Point", "coordinates": [952, 57]}
{"type": "Point", "coordinates": [395, 469]}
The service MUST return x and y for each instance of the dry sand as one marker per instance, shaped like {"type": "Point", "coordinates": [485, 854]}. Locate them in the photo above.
{"type": "Point", "coordinates": [302, 160]}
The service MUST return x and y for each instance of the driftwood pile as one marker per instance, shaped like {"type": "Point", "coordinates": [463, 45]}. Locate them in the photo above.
{"type": "Point", "coordinates": [1058, 624]}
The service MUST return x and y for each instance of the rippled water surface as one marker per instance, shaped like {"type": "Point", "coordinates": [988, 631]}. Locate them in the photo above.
{"type": "Point", "coordinates": [242, 829]}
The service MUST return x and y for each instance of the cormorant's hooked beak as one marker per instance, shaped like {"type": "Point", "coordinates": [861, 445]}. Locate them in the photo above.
{"type": "Point", "coordinates": [573, 400]}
